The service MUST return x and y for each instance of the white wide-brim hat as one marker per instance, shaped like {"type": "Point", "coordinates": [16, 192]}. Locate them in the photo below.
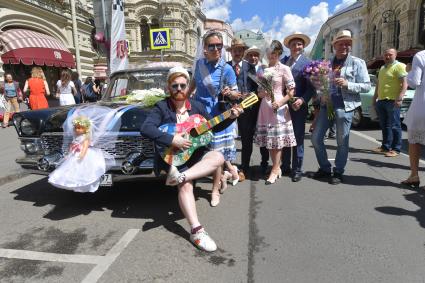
{"type": "Point", "coordinates": [342, 35]}
{"type": "Point", "coordinates": [305, 38]}
{"type": "Point", "coordinates": [253, 49]}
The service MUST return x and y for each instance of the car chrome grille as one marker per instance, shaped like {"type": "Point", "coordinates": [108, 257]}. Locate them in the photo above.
{"type": "Point", "coordinates": [52, 142]}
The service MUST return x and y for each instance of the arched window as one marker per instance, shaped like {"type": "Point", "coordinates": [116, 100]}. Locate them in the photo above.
{"type": "Point", "coordinates": [421, 29]}
{"type": "Point", "coordinates": [396, 38]}
{"type": "Point", "coordinates": [373, 42]}
{"type": "Point", "coordinates": [144, 34]}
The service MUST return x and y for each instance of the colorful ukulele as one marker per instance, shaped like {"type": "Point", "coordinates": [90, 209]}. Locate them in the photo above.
{"type": "Point", "coordinates": [198, 131]}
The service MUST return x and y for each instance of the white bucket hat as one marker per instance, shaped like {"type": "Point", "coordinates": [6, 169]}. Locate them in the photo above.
{"type": "Point", "coordinates": [179, 70]}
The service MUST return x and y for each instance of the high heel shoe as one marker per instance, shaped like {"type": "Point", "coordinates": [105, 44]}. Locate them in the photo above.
{"type": "Point", "coordinates": [412, 182]}
{"type": "Point", "coordinates": [215, 199]}
{"type": "Point", "coordinates": [226, 175]}
{"type": "Point", "coordinates": [273, 176]}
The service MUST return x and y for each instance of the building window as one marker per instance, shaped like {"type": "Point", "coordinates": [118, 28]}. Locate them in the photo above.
{"type": "Point", "coordinates": [145, 28]}
{"type": "Point", "coordinates": [396, 39]}
{"type": "Point", "coordinates": [421, 29]}
{"type": "Point", "coordinates": [373, 42]}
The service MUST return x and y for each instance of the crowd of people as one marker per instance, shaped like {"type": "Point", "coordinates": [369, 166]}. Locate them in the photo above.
{"type": "Point", "coordinates": [69, 90]}
{"type": "Point", "coordinates": [277, 123]}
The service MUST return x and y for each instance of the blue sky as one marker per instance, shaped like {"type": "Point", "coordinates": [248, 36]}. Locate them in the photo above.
{"type": "Point", "coordinates": [276, 18]}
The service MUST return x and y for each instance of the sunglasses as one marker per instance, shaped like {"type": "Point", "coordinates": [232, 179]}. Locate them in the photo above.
{"type": "Point", "coordinates": [212, 47]}
{"type": "Point", "coordinates": [176, 86]}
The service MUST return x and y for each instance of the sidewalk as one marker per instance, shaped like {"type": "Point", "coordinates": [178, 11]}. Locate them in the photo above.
{"type": "Point", "coordinates": [9, 151]}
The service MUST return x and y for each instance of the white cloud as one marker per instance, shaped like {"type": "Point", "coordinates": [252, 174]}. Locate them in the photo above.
{"type": "Point", "coordinates": [309, 25]}
{"type": "Point", "coordinates": [344, 4]}
{"type": "Point", "coordinates": [217, 9]}
{"type": "Point", "coordinates": [254, 23]}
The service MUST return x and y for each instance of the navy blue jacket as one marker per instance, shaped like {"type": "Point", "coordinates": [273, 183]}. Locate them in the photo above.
{"type": "Point", "coordinates": [303, 87]}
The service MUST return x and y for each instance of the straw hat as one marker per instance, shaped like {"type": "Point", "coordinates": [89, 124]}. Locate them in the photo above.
{"type": "Point", "coordinates": [253, 49]}
{"type": "Point", "coordinates": [237, 42]}
{"type": "Point", "coordinates": [298, 35]}
{"type": "Point", "coordinates": [342, 35]}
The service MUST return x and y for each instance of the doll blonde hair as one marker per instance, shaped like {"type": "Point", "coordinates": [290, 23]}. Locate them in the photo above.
{"type": "Point", "coordinates": [83, 122]}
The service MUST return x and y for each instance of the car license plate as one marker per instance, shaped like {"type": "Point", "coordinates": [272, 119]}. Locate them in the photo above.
{"type": "Point", "coordinates": [106, 180]}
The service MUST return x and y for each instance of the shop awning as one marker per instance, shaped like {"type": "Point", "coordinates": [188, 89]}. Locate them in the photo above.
{"type": "Point", "coordinates": [30, 47]}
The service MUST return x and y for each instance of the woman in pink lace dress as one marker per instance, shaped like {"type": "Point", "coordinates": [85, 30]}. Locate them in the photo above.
{"type": "Point", "coordinates": [274, 125]}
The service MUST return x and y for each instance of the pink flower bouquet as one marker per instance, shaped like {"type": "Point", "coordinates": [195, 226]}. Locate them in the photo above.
{"type": "Point", "coordinates": [319, 73]}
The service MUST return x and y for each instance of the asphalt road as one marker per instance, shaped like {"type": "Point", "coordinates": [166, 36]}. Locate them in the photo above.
{"type": "Point", "coordinates": [369, 229]}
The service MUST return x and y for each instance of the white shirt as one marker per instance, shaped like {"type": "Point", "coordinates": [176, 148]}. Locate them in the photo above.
{"type": "Point", "coordinates": [65, 89]}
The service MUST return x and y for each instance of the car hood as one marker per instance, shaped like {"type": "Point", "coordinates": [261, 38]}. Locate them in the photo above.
{"type": "Point", "coordinates": [52, 119]}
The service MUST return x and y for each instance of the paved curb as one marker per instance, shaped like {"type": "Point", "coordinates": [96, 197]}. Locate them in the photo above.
{"type": "Point", "coordinates": [12, 177]}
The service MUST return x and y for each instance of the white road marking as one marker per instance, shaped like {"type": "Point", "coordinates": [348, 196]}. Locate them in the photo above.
{"type": "Point", "coordinates": [31, 255]}
{"type": "Point", "coordinates": [110, 257]}
{"type": "Point", "coordinates": [369, 138]}
{"type": "Point", "coordinates": [102, 262]}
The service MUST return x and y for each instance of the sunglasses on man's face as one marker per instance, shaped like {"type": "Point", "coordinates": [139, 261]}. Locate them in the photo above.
{"type": "Point", "coordinates": [212, 47]}
{"type": "Point", "coordinates": [175, 87]}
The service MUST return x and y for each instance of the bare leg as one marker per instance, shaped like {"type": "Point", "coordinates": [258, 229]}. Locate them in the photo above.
{"type": "Point", "coordinates": [212, 161]}
{"type": "Point", "coordinates": [232, 169]}
{"type": "Point", "coordinates": [414, 153]}
{"type": "Point", "coordinates": [275, 156]}
{"type": "Point", "coordinates": [187, 203]}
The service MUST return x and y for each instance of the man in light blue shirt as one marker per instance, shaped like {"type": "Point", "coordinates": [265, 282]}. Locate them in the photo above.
{"type": "Point", "coordinates": [349, 79]}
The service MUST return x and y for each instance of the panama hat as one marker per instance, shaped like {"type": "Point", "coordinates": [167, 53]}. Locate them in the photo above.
{"type": "Point", "coordinates": [236, 42]}
{"type": "Point", "coordinates": [342, 35]}
{"type": "Point", "coordinates": [298, 35]}
{"type": "Point", "coordinates": [253, 49]}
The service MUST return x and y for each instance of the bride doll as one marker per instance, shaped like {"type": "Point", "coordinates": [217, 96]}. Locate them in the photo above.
{"type": "Point", "coordinates": [84, 165]}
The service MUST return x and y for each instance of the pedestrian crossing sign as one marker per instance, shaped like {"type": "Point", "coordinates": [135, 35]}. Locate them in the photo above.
{"type": "Point", "coordinates": [160, 38]}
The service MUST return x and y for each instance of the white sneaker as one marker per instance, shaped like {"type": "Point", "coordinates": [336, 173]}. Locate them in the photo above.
{"type": "Point", "coordinates": [173, 176]}
{"type": "Point", "coordinates": [203, 241]}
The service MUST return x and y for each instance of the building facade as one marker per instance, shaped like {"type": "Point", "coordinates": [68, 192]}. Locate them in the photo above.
{"type": "Point", "coordinates": [392, 23]}
{"type": "Point", "coordinates": [251, 38]}
{"type": "Point", "coordinates": [51, 18]}
{"type": "Point", "coordinates": [350, 18]}
{"type": "Point", "coordinates": [184, 18]}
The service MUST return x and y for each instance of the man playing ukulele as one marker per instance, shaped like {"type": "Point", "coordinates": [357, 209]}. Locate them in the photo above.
{"type": "Point", "coordinates": [177, 109]}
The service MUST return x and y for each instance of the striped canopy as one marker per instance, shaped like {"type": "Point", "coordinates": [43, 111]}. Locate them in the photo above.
{"type": "Point", "coordinates": [30, 47]}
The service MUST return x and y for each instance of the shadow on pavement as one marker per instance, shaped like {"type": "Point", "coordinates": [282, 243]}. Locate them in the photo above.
{"type": "Point", "coordinates": [378, 164]}
{"type": "Point", "coordinates": [417, 198]}
{"type": "Point", "coordinates": [140, 200]}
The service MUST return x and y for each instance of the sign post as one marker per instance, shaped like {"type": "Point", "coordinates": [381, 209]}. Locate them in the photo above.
{"type": "Point", "coordinates": [160, 40]}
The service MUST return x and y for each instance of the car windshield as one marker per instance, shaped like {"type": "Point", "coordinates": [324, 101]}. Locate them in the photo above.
{"type": "Point", "coordinates": [123, 84]}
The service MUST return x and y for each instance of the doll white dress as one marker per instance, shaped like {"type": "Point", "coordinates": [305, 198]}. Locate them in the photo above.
{"type": "Point", "coordinates": [79, 175]}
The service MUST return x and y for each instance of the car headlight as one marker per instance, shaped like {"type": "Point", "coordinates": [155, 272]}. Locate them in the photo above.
{"type": "Point", "coordinates": [26, 127]}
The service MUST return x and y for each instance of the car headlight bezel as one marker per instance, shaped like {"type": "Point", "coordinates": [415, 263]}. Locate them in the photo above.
{"type": "Point", "coordinates": [26, 127]}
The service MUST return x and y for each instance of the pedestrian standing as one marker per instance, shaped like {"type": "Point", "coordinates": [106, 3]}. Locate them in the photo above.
{"type": "Point", "coordinates": [13, 95]}
{"type": "Point", "coordinates": [39, 89]}
{"type": "Point", "coordinates": [78, 84]}
{"type": "Point", "coordinates": [274, 125]}
{"type": "Point", "coordinates": [304, 91]}
{"type": "Point", "coordinates": [65, 89]}
{"type": "Point", "coordinates": [215, 84]}
{"type": "Point", "coordinates": [345, 97]}
{"type": "Point", "coordinates": [389, 92]}
{"type": "Point", "coordinates": [415, 118]}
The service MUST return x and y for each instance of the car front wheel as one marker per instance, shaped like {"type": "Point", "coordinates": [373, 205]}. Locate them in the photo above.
{"type": "Point", "coordinates": [357, 118]}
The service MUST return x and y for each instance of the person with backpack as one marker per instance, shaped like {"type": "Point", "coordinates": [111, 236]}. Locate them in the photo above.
{"type": "Point", "coordinates": [78, 85]}
{"type": "Point", "coordinates": [89, 91]}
